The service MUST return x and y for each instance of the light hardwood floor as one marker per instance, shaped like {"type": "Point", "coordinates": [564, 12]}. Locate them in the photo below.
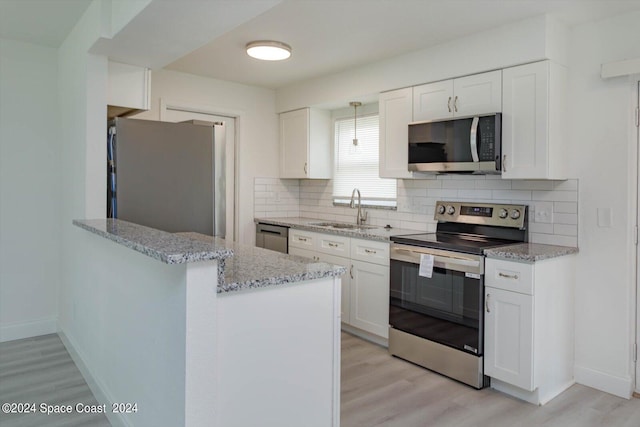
{"type": "Point", "coordinates": [39, 370]}
{"type": "Point", "coordinates": [381, 390]}
{"type": "Point", "coordinates": [377, 390]}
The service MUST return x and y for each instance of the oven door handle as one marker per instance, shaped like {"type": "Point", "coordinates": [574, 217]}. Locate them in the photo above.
{"type": "Point", "coordinates": [443, 261]}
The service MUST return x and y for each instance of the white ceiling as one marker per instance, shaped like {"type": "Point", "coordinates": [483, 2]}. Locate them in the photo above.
{"type": "Point", "coordinates": [43, 22]}
{"type": "Point", "coordinates": [327, 36]}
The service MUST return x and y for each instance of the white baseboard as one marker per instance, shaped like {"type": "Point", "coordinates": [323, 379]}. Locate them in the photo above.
{"type": "Point", "coordinates": [528, 396]}
{"type": "Point", "coordinates": [384, 342]}
{"type": "Point", "coordinates": [618, 386]}
{"type": "Point", "coordinates": [20, 330]}
{"type": "Point", "coordinates": [97, 387]}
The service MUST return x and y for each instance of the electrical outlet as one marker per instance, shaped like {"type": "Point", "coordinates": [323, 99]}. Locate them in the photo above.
{"type": "Point", "coordinates": [543, 212]}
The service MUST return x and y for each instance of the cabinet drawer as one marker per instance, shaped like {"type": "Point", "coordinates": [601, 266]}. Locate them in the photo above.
{"type": "Point", "coordinates": [313, 256]}
{"type": "Point", "coordinates": [370, 251]}
{"type": "Point", "coordinates": [509, 275]}
{"type": "Point", "coordinates": [334, 245]}
{"type": "Point", "coordinates": [302, 239]}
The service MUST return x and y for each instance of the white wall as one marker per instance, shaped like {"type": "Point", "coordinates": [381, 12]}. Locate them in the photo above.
{"type": "Point", "coordinates": [257, 131]}
{"type": "Point", "coordinates": [30, 190]}
{"type": "Point", "coordinates": [600, 135]}
{"type": "Point", "coordinates": [82, 86]}
{"type": "Point", "coordinates": [524, 41]}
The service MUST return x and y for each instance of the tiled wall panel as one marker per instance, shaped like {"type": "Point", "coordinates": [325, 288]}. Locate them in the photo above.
{"type": "Point", "coordinates": [417, 199]}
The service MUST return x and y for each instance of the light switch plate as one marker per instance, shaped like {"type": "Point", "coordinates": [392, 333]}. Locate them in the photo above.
{"type": "Point", "coordinates": [543, 212]}
{"type": "Point", "coordinates": [605, 219]}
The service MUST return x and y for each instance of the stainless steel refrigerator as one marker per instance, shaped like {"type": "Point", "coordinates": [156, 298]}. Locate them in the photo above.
{"type": "Point", "coordinates": [168, 176]}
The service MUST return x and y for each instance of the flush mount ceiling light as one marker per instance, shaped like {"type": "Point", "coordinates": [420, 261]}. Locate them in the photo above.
{"type": "Point", "coordinates": [268, 50]}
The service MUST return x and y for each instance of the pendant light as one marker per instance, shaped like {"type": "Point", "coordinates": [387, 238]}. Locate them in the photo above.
{"type": "Point", "coordinates": [355, 105]}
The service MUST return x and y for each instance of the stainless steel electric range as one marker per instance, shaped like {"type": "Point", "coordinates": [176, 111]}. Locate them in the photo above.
{"type": "Point", "coordinates": [436, 316]}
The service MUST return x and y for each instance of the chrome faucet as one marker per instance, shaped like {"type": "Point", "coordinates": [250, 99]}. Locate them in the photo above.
{"type": "Point", "coordinates": [361, 217]}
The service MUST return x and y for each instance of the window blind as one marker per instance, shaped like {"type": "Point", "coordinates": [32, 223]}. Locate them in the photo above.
{"type": "Point", "coordinates": [357, 166]}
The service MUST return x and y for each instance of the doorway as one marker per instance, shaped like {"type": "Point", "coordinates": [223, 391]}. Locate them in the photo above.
{"type": "Point", "coordinates": [225, 139]}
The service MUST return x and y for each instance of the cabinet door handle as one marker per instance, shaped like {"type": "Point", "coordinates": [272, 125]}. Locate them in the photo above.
{"type": "Point", "coordinates": [455, 104]}
{"type": "Point", "coordinates": [508, 276]}
{"type": "Point", "coordinates": [333, 245]}
{"type": "Point", "coordinates": [486, 303]}
{"type": "Point", "coordinates": [504, 163]}
{"type": "Point", "coordinates": [302, 239]}
{"type": "Point", "coordinates": [369, 251]}
{"type": "Point", "coordinates": [351, 271]}
{"type": "Point", "coordinates": [305, 168]}
{"type": "Point", "coordinates": [449, 104]}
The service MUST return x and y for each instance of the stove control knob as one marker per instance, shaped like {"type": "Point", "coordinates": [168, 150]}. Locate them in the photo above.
{"type": "Point", "coordinates": [451, 210]}
{"type": "Point", "coordinates": [515, 214]}
{"type": "Point", "coordinates": [503, 213]}
{"type": "Point", "coordinates": [441, 209]}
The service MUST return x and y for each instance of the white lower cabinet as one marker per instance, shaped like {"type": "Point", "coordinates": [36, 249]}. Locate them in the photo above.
{"type": "Point", "coordinates": [529, 329]}
{"type": "Point", "coordinates": [508, 335]}
{"type": "Point", "coordinates": [304, 253]}
{"type": "Point", "coordinates": [346, 283]}
{"type": "Point", "coordinates": [370, 298]}
{"type": "Point", "coordinates": [365, 286]}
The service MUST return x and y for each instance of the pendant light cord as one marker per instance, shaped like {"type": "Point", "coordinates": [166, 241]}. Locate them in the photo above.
{"type": "Point", "coordinates": [355, 105]}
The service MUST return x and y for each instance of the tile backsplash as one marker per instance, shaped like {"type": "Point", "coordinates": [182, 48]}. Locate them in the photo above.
{"type": "Point", "coordinates": [274, 197]}
{"type": "Point", "coordinates": [556, 202]}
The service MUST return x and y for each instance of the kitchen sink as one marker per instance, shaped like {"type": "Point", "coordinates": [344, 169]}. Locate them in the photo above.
{"type": "Point", "coordinates": [340, 225]}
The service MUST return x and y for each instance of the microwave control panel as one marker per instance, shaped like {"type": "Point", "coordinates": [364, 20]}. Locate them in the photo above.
{"type": "Point", "coordinates": [486, 140]}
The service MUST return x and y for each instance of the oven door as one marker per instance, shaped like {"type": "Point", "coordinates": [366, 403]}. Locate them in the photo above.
{"type": "Point", "coordinates": [446, 308]}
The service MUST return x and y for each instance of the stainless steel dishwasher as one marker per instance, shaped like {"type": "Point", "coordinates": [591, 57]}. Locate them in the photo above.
{"type": "Point", "coordinates": [272, 237]}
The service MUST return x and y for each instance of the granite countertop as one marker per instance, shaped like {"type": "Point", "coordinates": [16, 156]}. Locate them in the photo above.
{"type": "Point", "coordinates": [253, 267]}
{"type": "Point", "coordinates": [529, 252]}
{"type": "Point", "coordinates": [165, 247]}
{"type": "Point", "coordinates": [377, 233]}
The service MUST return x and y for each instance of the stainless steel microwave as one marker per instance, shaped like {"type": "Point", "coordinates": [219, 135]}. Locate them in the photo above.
{"type": "Point", "coordinates": [462, 144]}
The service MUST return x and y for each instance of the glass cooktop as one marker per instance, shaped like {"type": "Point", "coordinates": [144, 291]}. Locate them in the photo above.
{"type": "Point", "coordinates": [467, 243]}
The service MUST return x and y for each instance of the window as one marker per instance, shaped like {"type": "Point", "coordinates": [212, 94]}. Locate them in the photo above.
{"type": "Point", "coordinates": [356, 166]}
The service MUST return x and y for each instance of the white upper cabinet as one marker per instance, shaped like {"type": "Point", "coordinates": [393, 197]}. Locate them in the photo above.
{"type": "Point", "coordinates": [533, 121]}
{"type": "Point", "coordinates": [433, 101]}
{"type": "Point", "coordinates": [464, 96]}
{"type": "Point", "coordinates": [305, 144]}
{"type": "Point", "coordinates": [396, 112]}
{"type": "Point", "coordinates": [478, 94]}
{"type": "Point", "coordinates": [129, 87]}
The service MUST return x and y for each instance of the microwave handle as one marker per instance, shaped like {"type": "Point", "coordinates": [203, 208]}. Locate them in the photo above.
{"type": "Point", "coordinates": [473, 140]}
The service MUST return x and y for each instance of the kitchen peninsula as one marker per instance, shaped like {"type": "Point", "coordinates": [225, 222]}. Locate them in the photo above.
{"type": "Point", "coordinates": [210, 328]}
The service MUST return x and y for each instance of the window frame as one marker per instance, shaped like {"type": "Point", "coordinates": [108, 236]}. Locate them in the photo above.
{"type": "Point", "coordinates": [366, 110]}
